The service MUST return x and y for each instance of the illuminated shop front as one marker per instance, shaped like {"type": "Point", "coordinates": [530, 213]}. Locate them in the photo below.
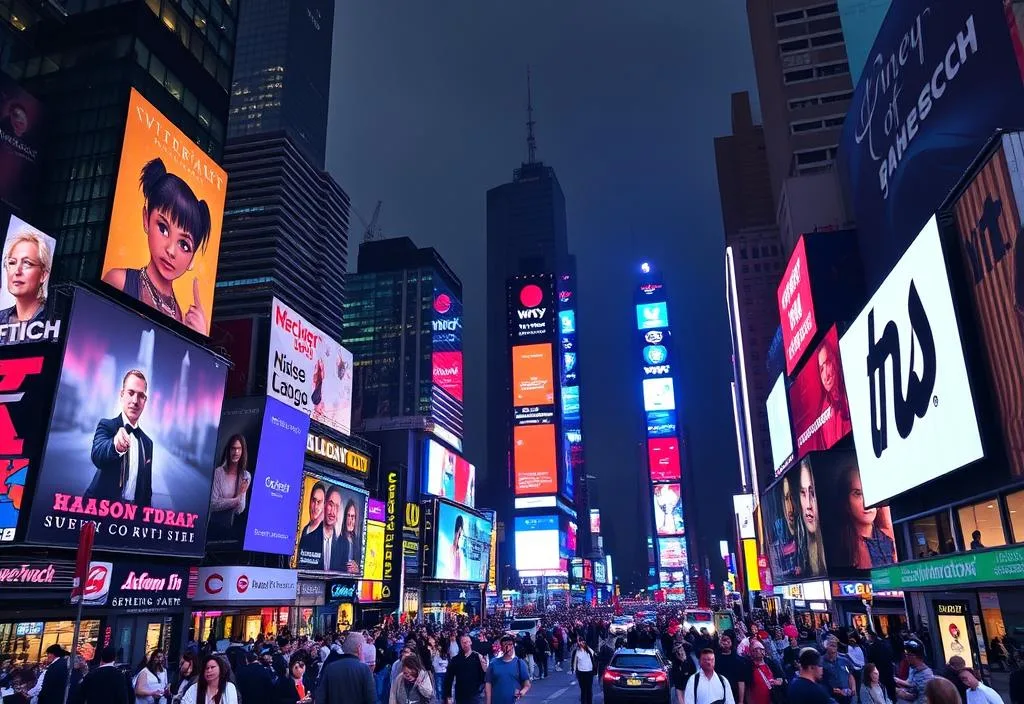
{"type": "Point", "coordinates": [240, 602]}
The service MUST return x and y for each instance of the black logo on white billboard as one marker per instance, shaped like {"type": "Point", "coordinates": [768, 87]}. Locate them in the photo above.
{"type": "Point", "coordinates": [919, 388]}
{"type": "Point", "coordinates": [986, 243]}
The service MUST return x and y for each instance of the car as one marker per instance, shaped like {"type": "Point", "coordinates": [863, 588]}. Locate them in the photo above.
{"type": "Point", "coordinates": [521, 626]}
{"type": "Point", "coordinates": [699, 618]}
{"type": "Point", "coordinates": [621, 625]}
{"type": "Point", "coordinates": [636, 675]}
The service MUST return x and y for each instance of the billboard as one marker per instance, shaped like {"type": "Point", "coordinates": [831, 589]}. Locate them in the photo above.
{"type": "Point", "coordinates": [446, 357]}
{"type": "Point", "coordinates": [595, 521]}
{"type": "Point", "coordinates": [531, 302]}
{"type": "Point", "coordinates": [600, 572]}
{"type": "Point", "coordinates": [780, 431]}
{"type": "Point", "coordinates": [536, 470]}
{"type": "Point", "coordinates": [651, 315]}
{"type": "Point", "coordinates": [988, 223]}
{"type": "Point", "coordinates": [663, 459]}
{"type": "Point", "coordinates": [941, 77]}
{"type": "Point", "coordinates": [463, 548]}
{"type": "Point", "coordinates": [21, 136]}
{"type": "Point", "coordinates": [24, 284]}
{"type": "Point", "coordinates": [165, 222]}
{"type": "Point", "coordinates": [133, 436]}
{"type": "Point", "coordinates": [332, 527]}
{"type": "Point", "coordinates": [672, 553]}
{"type": "Point", "coordinates": [907, 337]}
{"type": "Point", "coordinates": [448, 475]}
{"type": "Point", "coordinates": [238, 444]}
{"type": "Point", "coordinates": [661, 424]}
{"type": "Point", "coordinates": [243, 583]}
{"type": "Point", "coordinates": [796, 550]}
{"type": "Point", "coordinates": [533, 375]}
{"type": "Point", "coordinates": [668, 509]}
{"type": "Point", "coordinates": [659, 394]}
{"type": "Point", "coordinates": [135, 588]}
{"type": "Point", "coordinates": [796, 307]}
{"type": "Point", "coordinates": [373, 565]}
{"type": "Point", "coordinates": [537, 543]}
{"type": "Point", "coordinates": [821, 414]}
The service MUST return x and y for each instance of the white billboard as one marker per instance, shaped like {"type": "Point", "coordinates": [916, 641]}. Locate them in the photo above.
{"type": "Point", "coordinates": [780, 430]}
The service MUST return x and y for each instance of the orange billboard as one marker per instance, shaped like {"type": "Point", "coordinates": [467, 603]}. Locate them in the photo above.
{"type": "Point", "coordinates": [532, 375]}
{"type": "Point", "coordinates": [165, 224]}
{"type": "Point", "coordinates": [536, 464]}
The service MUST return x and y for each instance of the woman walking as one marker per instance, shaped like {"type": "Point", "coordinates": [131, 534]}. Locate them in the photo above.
{"type": "Point", "coordinates": [584, 665]}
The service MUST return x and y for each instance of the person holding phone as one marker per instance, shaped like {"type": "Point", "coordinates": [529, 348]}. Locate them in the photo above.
{"type": "Point", "coordinates": [296, 688]}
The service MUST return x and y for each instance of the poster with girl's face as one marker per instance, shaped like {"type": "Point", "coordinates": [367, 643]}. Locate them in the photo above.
{"type": "Point", "coordinates": [165, 225]}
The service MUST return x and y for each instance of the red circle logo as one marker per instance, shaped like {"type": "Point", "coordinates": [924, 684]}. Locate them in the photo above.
{"type": "Point", "coordinates": [214, 583]}
{"type": "Point", "coordinates": [531, 296]}
{"type": "Point", "coordinates": [443, 303]}
{"type": "Point", "coordinates": [242, 584]}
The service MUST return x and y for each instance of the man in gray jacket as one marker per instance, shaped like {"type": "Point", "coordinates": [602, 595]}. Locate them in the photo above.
{"type": "Point", "coordinates": [346, 680]}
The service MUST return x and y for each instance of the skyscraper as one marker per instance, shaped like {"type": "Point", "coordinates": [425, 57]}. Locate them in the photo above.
{"type": "Point", "coordinates": [286, 220]}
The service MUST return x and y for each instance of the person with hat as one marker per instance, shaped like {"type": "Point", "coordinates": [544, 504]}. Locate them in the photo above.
{"type": "Point", "coordinates": [56, 676]}
{"type": "Point", "coordinates": [912, 688]}
{"type": "Point", "coordinates": [806, 688]}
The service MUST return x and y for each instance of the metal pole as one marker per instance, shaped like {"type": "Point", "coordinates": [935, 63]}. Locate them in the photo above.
{"type": "Point", "coordinates": [74, 648]}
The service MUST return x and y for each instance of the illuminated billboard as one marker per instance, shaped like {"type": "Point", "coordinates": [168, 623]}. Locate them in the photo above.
{"type": "Point", "coordinates": [595, 521]}
{"type": "Point", "coordinates": [661, 424]}
{"type": "Point", "coordinates": [531, 308]}
{"type": "Point", "coordinates": [651, 315]}
{"type": "Point", "coordinates": [821, 413]}
{"type": "Point", "coordinates": [532, 375]}
{"type": "Point", "coordinates": [448, 475]}
{"type": "Point", "coordinates": [463, 546]}
{"type": "Point", "coordinates": [780, 432]}
{"type": "Point", "coordinates": [796, 307]}
{"type": "Point", "coordinates": [536, 470]}
{"type": "Point", "coordinates": [659, 395]}
{"type": "Point", "coordinates": [663, 459]}
{"type": "Point", "coordinates": [672, 553]}
{"type": "Point", "coordinates": [536, 539]}
{"type": "Point", "coordinates": [446, 357]}
{"type": "Point", "coordinates": [668, 509]}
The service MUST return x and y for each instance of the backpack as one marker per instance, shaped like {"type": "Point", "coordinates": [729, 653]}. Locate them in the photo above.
{"type": "Point", "coordinates": [725, 688]}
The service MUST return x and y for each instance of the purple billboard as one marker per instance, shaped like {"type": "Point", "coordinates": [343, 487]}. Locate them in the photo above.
{"type": "Point", "coordinates": [375, 511]}
{"type": "Point", "coordinates": [277, 480]}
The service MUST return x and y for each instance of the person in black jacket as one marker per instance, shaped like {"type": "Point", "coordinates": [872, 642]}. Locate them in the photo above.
{"type": "Point", "coordinates": [297, 687]}
{"type": "Point", "coordinates": [467, 671]}
{"type": "Point", "coordinates": [56, 676]}
{"type": "Point", "coordinates": [253, 681]}
{"type": "Point", "coordinates": [104, 685]}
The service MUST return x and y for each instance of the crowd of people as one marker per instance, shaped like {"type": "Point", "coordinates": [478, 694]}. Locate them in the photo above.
{"type": "Point", "coordinates": [463, 661]}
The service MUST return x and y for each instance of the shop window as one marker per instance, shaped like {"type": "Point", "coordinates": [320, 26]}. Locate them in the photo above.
{"type": "Point", "coordinates": [931, 536]}
{"type": "Point", "coordinates": [981, 525]}
{"type": "Point", "coordinates": [1015, 507]}
{"type": "Point", "coordinates": [26, 641]}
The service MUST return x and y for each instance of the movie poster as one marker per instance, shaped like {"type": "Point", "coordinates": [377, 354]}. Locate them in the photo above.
{"type": "Point", "coordinates": [821, 413]}
{"type": "Point", "coordinates": [796, 550]}
{"type": "Point", "coordinates": [238, 444]}
{"type": "Point", "coordinates": [165, 224]}
{"type": "Point", "coordinates": [21, 135]}
{"type": "Point", "coordinates": [25, 285]}
{"type": "Point", "coordinates": [133, 437]}
{"type": "Point", "coordinates": [332, 527]}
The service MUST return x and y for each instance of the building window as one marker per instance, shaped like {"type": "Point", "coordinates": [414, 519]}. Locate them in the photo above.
{"type": "Point", "coordinates": [821, 10]}
{"type": "Point", "coordinates": [931, 536]}
{"type": "Point", "coordinates": [837, 69]}
{"type": "Point", "coordinates": [803, 74]}
{"type": "Point", "coordinates": [794, 45]}
{"type": "Point", "coordinates": [1015, 507]}
{"type": "Point", "coordinates": [981, 525]}
{"type": "Point", "coordinates": [832, 39]}
{"type": "Point", "coordinates": [783, 17]}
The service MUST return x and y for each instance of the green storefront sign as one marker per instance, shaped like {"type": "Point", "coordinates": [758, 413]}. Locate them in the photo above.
{"type": "Point", "coordinates": [1000, 565]}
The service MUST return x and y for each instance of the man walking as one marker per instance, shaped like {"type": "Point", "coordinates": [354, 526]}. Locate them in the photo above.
{"type": "Point", "coordinates": [734, 668]}
{"type": "Point", "coordinates": [838, 675]}
{"type": "Point", "coordinates": [912, 688]}
{"type": "Point", "coordinates": [346, 680]}
{"type": "Point", "coordinates": [806, 689]}
{"type": "Point", "coordinates": [106, 684]}
{"type": "Point", "coordinates": [508, 678]}
{"type": "Point", "coordinates": [467, 671]}
{"type": "Point", "coordinates": [706, 686]}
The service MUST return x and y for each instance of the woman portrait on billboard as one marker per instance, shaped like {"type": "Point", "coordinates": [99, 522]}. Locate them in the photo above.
{"type": "Point", "coordinates": [455, 558]}
{"type": "Point", "coordinates": [785, 544]}
{"type": "Point", "coordinates": [28, 260]}
{"type": "Point", "coordinates": [231, 481]}
{"type": "Point", "coordinates": [866, 533]}
{"type": "Point", "coordinates": [177, 226]}
{"type": "Point", "coordinates": [833, 395]}
{"type": "Point", "coordinates": [346, 557]}
{"type": "Point", "coordinates": [813, 554]}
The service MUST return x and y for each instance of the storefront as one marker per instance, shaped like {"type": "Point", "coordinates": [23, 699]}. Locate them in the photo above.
{"type": "Point", "coordinates": [239, 603]}
{"type": "Point", "coordinates": [137, 608]}
{"type": "Point", "coordinates": [339, 611]}
{"type": "Point", "coordinates": [858, 606]}
{"type": "Point", "coordinates": [444, 600]}
{"type": "Point", "coordinates": [809, 603]}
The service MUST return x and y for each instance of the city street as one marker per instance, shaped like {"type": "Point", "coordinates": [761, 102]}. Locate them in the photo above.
{"type": "Point", "coordinates": [559, 687]}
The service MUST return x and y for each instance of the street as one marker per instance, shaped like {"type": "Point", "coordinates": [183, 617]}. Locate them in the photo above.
{"type": "Point", "coordinates": [559, 687]}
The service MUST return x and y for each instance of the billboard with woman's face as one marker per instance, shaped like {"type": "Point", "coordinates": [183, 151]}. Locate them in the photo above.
{"type": "Point", "coordinates": [24, 283]}
{"type": "Point", "coordinates": [793, 527]}
{"type": "Point", "coordinates": [165, 224]}
{"type": "Point", "coordinates": [463, 550]}
{"type": "Point", "coordinates": [821, 413]}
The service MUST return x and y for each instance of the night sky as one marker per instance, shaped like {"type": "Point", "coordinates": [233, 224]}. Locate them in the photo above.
{"type": "Point", "coordinates": [427, 114]}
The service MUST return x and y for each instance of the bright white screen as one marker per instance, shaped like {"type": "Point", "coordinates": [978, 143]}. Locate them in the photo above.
{"type": "Point", "coordinates": [779, 423]}
{"type": "Point", "coordinates": [537, 543]}
{"type": "Point", "coordinates": [659, 395]}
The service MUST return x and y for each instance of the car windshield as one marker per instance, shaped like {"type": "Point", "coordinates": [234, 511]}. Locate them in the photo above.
{"type": "Point", "coordinates": [636, 662]}
{"type": "Point", "coordinates": [522, 625]}
{"type": "Point", "coordinates": [622, 619]}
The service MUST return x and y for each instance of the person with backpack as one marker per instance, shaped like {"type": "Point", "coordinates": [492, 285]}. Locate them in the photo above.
{"type": "Point", "coordinates": [584, 666]}
{"type": "Point", "coordinates": [706, 686]}
{"type": "Point", "coordinates": [507, 678]}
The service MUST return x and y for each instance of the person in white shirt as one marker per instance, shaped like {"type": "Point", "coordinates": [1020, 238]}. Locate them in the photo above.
{"type": "Point", "coordinates": [977, 691]}
{"type": "Point", "coordinates": [706, 686]}
{"type": "Point", "coordinates": [584, 665]}
{"type": "Point", "coordinates": [368, 652]}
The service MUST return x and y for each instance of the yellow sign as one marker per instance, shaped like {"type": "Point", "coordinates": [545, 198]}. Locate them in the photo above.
{"type": "Point", "coordinates": [373, 565]}
{"type": "Point", "coordinates": [750, 560]}
{"type": "Point", "coordinates": [336, 453]}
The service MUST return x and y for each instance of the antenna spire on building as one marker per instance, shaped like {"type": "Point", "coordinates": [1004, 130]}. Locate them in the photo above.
{"type": "Point", "coordinates": [531, 141]}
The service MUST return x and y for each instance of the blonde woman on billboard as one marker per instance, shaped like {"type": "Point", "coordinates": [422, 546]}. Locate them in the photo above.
{"type": "Point", "coordinates": [28, 261]}
{"type": "Point", "coordinates": [176, 225]}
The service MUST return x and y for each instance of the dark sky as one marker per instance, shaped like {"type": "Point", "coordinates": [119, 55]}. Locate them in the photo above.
{"type": "Point", "coordinates": [428, 112]}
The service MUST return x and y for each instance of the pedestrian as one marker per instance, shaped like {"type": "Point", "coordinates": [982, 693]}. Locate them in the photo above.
{"type": "Point", "coordinates": [413, 685]}
{"type": "Point", "coordinates": [871, 689]}
{"type": "Point", "coordinates": [766, 675]}
{"type": "Point", "coordinates": [939, 690]}
{"type": "Point", "coordinates": [584, 666]}
{"type": "Point", "coordinates": [187, 674]}
{"type": "Point", "coordinates": [296, 688]}
{"type": "Point", "coordinates": [541, 648]}
{"type": "Point", "coordinates": [254, 681]}
{"type": "Point", "coordinates": [918, 675]}
{"type": "Point", "coordinates": [838, 676]}
{"type": "Point", "coordinates": [952, 672]}
{"type": "Point", "coordinates": [507, 678]}
{"type": "Point", "coordinates": [346, 680]}
{"type": "Point", "coordinates": [106, 684]}
{"type": "Point", "coordinates": [467, 671]}
{"type": "Point", "coordinates": [683, 668]}
{"type": "Point", "coordinates": [977, 691]}
{"type": "Point", "coordinates": [151, 681]}
{"type": "Point", "coordinates": [56, 675]}
{"type": "Point", "coordinates": [214, 683]}
{"type": "Point", "coordinates": [807, 687]}
{"type": "Point", "coordinates": [706, 686]}
{"type": "Point", "coordinates": [735, 669]}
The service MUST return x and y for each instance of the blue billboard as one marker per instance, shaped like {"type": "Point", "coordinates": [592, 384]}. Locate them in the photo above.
{"type": "Point", "coordinates": [942, 75]}
{"type": "Point", "coordinates": [861, 20]}
{"type": "Point", "coordinates": [651, 315]}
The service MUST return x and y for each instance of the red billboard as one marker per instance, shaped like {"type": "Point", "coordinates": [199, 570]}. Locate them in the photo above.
{"type": "Point", "coordinates": [447, 372]}
{"type": "Point", "coordinates": [663, 458]}
{"type": "Point", "coordinates": [821, 413]}
{"type": "Point", "coordinates": [536, 466]}
{"type": "Point", "coordinates": [796, 307]}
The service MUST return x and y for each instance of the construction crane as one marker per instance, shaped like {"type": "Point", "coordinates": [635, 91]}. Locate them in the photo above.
{"type": "Point", "coordinates": [372, 231]}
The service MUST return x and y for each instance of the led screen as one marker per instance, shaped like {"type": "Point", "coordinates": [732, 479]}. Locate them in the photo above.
{"type": "Point", "coordinates": [536, 469]}
{"type": "Point", "coordinates": [332, 527]}
{"type": "Point", "coordinates": [463, 545]}
{"type": "Point", "coordinates": [651, 315]}
{"type": "Point", "coordinates": [796, 550]}
{"type": "Point", "coordinates": [668, 509]}
{"type": "Point", "coordinates": [661, 424]}
{"type": "Point", "coordinates": [23, 285]}
{"type": "Point", "coordinates": [672, 553]}
{"type": "Point", "coordinates": [659, 395]}
{"type": "Point", "coordinates": [779, 430]}
{"type": "Point", "coordinates": [567, 321]}
{"type": "Point", "coordinates": [571, 401]}
{"type": "Point", "coordinates": [448, 475]}
{"type": "Point", "coordinates": [821, 414]}
{"type": "Point", "coordinates": [796, 307]}
{"type": "Point", "coordinates": [447, 339]}
{"type": "Point", "coordinates": [663, 456]}
{"type": "Point", "coordinates": [374, 563]}
{"type": "Point", "coordinates": [600, 572]}
{"type": "Point", "coordinates": [595, 521]}
{"type": "Point", "coordinates": [532, 375]}
{"type": "Point", "coordinates": [537, 543]}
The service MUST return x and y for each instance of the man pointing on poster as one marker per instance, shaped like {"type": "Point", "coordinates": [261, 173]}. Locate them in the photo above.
{"type": "Point", "coordinates": [121, 451]}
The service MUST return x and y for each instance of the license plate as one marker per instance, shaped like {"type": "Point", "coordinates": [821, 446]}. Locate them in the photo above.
{"type": "Point", "coordinates": [634, 682]}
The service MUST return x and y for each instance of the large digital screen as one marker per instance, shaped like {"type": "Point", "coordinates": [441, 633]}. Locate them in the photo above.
{"type": "Point", "coordinates": [25, 282]}
{"type": "Point", "coordinates": [537, 543]}
{"type": "Point", "coordinates": [309, 370]}
{"type": "Point", "coordinates": [668, 509]}
{"type": "Point", "coordinates": [132, 440]}
{"type": "Point", "coordinates": [446, 325]}
{"type": "Point", "coordinates": [663, 457]}
{"type": "Point", "coordinates": [659, 394]}
{"type": "Point", "coordinates": [672, 553]}
{"type": "Point", "coordinates": [821, 414]}
{"type": "Point", "coordinates": [532, 375]}
{"type": "Point", "coordinates": [796, 307]}
{"type": "Point", "coordinates": [796, 550]}
{"type": "Point", "coordinates": [780, 432]}
{"type": "Point", "coordinates": [332, 527]}
{"type": "Point", "coordinates": [907, 337]}
{"type": "Point", "coordinates": [165, 222]}
{"type": "Point", "coordinates": [238, 444]}
{"type": "Point", "coordinates": [595, 521]}
{"type": "Point", "coordinates": [448, 475]}
{"type": "Point", "coordinates": [600, 572]}
{"type": "Point", "coordinates": [373, 565]}
{"type": "Point", "coordinates": [536, 470]}
{"type": "Point", "coordinates": [571, 401]}
{"type": "Point", "coordinates": [651, 315]}
{"type": "Point", "coordinates": [463, 545]}
{"type": "Point", "coordinates": [661, 424]}
{"type": "Point", "coordinates": [21, 138]}
{"type": "Point", "coordinates": [531, 302]}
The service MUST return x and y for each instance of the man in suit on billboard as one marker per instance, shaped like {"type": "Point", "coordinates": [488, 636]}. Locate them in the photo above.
{"type": "Point", "coordinates": [121, 451]}
{"type": "Point", "coordinates": [311, 538]}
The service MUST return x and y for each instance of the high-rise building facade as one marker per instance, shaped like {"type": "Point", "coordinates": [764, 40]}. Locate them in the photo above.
{"type": "Point", "coordinates": [403, 323]}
